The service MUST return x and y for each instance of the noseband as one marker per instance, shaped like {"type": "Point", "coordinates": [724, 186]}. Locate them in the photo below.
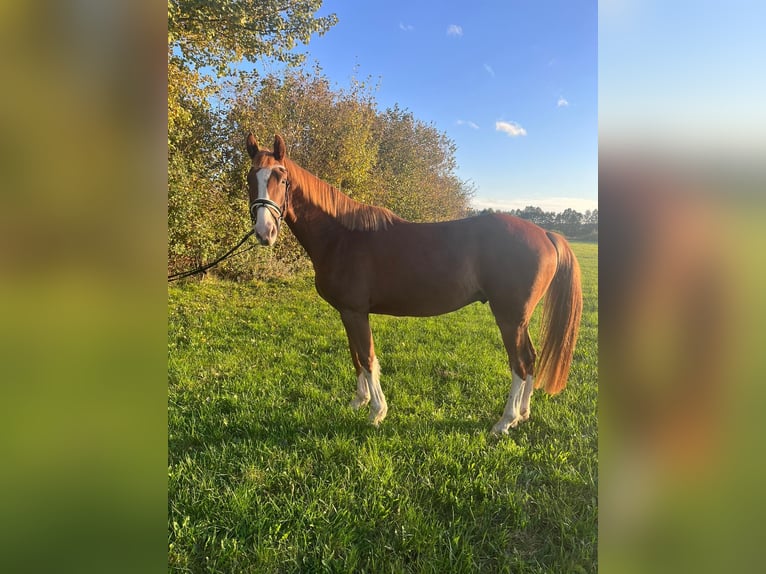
{"type": "Point", "coordinates": [273, 207]}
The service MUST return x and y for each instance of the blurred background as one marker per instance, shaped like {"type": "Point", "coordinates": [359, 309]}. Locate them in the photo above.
{"type": "Point", "coordinates": [82, 296]}
{"type": "Point", "coordinates": [682, 142]}
{"type": "Point", "coordinates": [83, 257]}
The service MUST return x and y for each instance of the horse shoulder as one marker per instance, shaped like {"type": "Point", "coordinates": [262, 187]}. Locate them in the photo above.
{"type": "Point", "coordinates": [342, 276]}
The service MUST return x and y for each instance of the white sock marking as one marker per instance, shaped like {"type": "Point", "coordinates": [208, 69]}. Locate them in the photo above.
{"type": "Point", "coordinates": [511, 416]}
{"type": "Point", "coordinates": [378, 406]}
{"type": "Point", "coordinates": [362, 396]}
{"type": "Point", "coordinates": [529, 388]}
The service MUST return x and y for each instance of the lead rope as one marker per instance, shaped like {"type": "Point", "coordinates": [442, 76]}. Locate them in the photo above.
{"type": "Point", "coordinates": [280, 212]}
{"type": "Point", "coordinates": [229, 253]}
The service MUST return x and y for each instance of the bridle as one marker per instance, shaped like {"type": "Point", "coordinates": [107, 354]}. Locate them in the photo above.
{"type": "Point", "coordinates": [276, 210]}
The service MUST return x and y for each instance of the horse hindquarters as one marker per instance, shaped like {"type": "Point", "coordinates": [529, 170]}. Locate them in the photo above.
{"type": "Point", "coordinates": [518, 264]}
{"type": "Point", "coordinates": [556, 272]}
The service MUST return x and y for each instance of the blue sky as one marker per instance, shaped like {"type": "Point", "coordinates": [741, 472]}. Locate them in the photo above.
{"type": "Point", "coordinates": [512, 83]}
{"type": "Point", "coordinates": [687, 77]}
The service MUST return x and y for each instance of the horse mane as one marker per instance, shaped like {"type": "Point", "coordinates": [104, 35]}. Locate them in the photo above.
{"type": "Point", "coordinates": [351, 214]}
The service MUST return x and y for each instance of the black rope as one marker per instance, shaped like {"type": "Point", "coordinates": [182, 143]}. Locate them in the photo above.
{"type": "Point", "coordinates": [229, 253]}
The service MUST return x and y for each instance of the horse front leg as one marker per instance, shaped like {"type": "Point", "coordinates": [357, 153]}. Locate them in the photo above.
{"type": "Point", "coordinates": [366, 363]}
{"type": "Point", "coordinates": [362, 395]}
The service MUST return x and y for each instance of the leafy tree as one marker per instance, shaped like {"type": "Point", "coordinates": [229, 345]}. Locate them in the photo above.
{"type": "Point", "coordinates": [536, 215]}
{"type": "Point", "coordinates": [568, 222]}
{"type": "Point", "coordinates": [328, 132]}
{"type": "Point", "coordinates": [388, 159]}
{"type": "Point", "coordinates": [216, 33]}
{"type": "Point", "coordinates": [415, 169]}
{"type": "Point", "coordinates": [205, 37]}
{"type": "Point", "coordinates": [571, 223]}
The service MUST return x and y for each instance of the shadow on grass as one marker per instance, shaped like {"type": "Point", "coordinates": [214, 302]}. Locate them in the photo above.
{"type": "Point", "coordinates": [288, 428]}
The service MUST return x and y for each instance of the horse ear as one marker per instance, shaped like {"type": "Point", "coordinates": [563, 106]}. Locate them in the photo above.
{"type": "Point", "coordinates": [252, 145]}
{"type": "Point", "coordinates": [280, 151]}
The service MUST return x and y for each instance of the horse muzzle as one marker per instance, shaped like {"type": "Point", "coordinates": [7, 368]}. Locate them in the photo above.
{"type": "Point", "coordinates": [266, 237]}
{"type": "Point", "coordinates": [266, 216]}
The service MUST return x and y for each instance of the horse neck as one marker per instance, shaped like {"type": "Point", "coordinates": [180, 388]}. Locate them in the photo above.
{"type": "Point", "coordinates": [314, 228]}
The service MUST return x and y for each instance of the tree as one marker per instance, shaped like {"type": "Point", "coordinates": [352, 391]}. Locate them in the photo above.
{"type": "Point", "coordinates": [205, 37]}
{"type": "Point", "coordinates": [328, 131]}
{"type": "Point", "coordinates": [415, 169]}
{"type": "Point", "coordinates": [216, 33]}
{"type": "Point", "coordinates": [388, 159]}
{"type": "Point", "coordinates": [336, 134]}
{"type": "Point", "coordinates": [536, 215]}
{"type": "Point", "coordinates": [568, 222]}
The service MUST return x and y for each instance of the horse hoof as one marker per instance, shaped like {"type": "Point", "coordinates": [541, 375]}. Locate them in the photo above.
{"type": "Point", "coordinates": [357, 403]}
{"type": "Point", "coordinates": [377, 418]}
{"type": "Point", "coordinates": [502, 426]}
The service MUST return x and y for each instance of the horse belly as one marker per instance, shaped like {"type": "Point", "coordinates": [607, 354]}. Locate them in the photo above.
{"type": "Point", "coordinates": [415, 295]}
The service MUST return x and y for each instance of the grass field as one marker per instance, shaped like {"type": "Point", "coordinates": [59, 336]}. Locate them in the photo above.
{"type": "Point", "coordinates": [269, 470]}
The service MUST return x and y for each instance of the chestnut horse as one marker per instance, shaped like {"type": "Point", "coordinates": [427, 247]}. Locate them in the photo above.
{"type": "Point", "coordinates": [368, 260]}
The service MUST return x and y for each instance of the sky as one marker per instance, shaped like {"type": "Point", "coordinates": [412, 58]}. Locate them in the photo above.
{"type": "Point", "coordinates": [512, 82]}
{"type": "Point", "coordinates": [688, 76]}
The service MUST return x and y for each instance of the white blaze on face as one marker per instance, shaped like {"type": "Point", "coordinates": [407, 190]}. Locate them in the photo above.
{"type": "Point", "coordinates": [266, 225]}
{"type": "Point", "coordinates": [264, 220]}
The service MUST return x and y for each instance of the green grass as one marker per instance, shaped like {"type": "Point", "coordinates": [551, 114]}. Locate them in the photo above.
{"type": "Point", "coordinates": [269, 470]}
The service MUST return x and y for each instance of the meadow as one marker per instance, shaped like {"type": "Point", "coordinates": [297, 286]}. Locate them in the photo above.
{"type": "Point", "coordinates": [270, 470]}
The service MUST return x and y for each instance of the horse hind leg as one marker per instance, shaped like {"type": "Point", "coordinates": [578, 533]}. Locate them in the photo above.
{"type": "Point", "coordinates": [526, 398]}
{"type": "Point", "coordinates": [521, 358]}
{"type": "Point", "coordinates": [368, 369]}
{"type": "Point", "coordinates": [511, 414]}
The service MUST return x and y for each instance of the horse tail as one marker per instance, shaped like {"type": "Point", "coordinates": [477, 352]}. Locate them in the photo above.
{"type": "Point", "coordinates": [562, 311]}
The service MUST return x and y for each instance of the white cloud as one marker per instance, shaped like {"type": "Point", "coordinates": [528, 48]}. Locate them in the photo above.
{"type": "Point", "coordinates": [554, 204]}
{"type": "Point", "coordinates": [489, 69]}
{"type": "Point", "coordinates": [511, 128]}
{"type": "Point", "coordinates": [406, 27]}
{"type": "Point", "coordinates": [454, 30]}
{"type": "Point", "coordinates": [562, 103]}
{"type": "Point", "coordinates": [467, 123]}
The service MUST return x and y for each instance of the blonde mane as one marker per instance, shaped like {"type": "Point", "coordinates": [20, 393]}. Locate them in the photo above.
{"type": "Point", "coordinates": [352, 214]}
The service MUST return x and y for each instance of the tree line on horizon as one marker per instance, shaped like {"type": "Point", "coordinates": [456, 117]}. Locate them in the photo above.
{"type": "Point", "coordinates": [570, 223]}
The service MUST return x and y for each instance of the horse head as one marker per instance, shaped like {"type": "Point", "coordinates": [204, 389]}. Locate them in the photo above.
{"type": "Point", "coordinates": [268, 189]}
